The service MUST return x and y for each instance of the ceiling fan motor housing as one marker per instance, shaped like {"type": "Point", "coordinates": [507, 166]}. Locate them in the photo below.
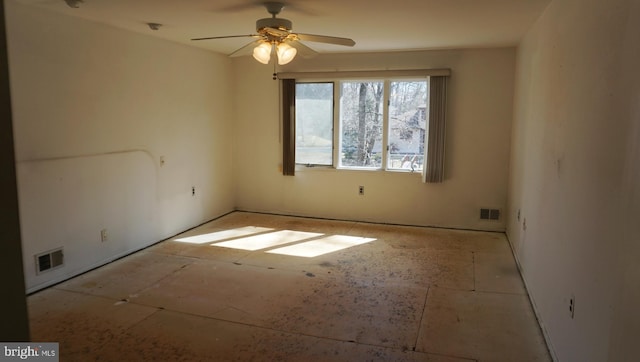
{"type": "Point", "coordinates": [275, 23]}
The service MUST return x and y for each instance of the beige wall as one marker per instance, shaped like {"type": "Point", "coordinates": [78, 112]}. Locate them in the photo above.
{"type": "Point", "coordinates": [575, 176]}
{"type": "Point", "coordinates": [94, 109]}
{"type": "Point", "coordinates": [478, 133]}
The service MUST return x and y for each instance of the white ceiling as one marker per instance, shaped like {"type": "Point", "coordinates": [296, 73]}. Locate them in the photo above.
{"type": "Point", "coordinates": [375, 25]}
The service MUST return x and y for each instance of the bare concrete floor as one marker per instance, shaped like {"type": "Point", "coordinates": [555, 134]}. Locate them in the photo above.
{"type": "Point", "coordinates": [272, 288]}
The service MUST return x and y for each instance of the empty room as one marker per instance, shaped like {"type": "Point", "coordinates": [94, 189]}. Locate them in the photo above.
{"type": "Point", "coordinates": [441, 180]}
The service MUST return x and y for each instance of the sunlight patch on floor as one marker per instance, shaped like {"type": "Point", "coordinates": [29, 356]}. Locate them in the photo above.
{"type": "Point", "coordinates": [223, 235]}
{"type": "Point", "coordinates": [322, 246]}
{"type": "Point", "coordinates": [269, 240]}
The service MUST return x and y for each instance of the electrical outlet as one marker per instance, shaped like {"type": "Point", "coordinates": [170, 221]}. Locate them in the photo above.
{"type": "Point", "coordinates": [572, 306]}
{"type": "Point", "coordinates": [193, 191]}
{"type": "Point", "coordinates": [361, 190]}
{"type": "Point", "coordinates": [103, 235]}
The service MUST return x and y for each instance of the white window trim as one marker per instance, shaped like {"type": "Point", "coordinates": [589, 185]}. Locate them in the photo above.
{"type": "Point", "coordinates": [336, 77]}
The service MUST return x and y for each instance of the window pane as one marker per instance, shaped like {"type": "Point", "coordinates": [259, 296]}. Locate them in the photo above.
{"type": "Point", "coordinates": [408, 125]}
{"type": "Point", "coordinates": [314, 123]}
{"type": "Point", "coordinates": [361, 124]}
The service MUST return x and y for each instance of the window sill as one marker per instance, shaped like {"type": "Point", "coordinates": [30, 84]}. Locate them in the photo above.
{"type": "Point", "coordinates": [321, 168]}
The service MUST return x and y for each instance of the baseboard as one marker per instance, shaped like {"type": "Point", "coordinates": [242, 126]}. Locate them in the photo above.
{"type": "Point", "coordinates": [543, 329]}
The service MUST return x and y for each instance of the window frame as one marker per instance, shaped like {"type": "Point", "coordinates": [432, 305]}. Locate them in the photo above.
{"type": "Point", "coordinates": [333, 125]}
{"type": "Point", "coordinates": [385, 127]}
{"type": "Point", "coordinates": [428, 175]}
{"type": "Point", "coordinates": [388, 124]}
{"type": "Point", "coordinates": [337, 125]}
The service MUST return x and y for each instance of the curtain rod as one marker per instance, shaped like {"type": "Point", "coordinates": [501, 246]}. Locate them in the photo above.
{"type": "Point", "coordinates": [366, 74]}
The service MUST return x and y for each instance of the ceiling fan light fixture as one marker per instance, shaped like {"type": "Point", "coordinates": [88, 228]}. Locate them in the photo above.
{"type": "Point", "coordinates": [285, 53]}
{"type": "Point", "coordinates": [262, 52]}
{"type": "Point", "coordinates": [275, 37]}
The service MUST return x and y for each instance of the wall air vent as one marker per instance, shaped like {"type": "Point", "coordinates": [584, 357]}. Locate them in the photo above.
{"type": "Point", "coordinates": [49, 260]}
{"type": "Point", "coordinates": [490, 214]}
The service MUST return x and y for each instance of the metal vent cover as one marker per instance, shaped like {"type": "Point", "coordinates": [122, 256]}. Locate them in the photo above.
{"type": "Point", "coordinates": [49, 260]}
{"type": "Point", "coordinates": [489, 214]}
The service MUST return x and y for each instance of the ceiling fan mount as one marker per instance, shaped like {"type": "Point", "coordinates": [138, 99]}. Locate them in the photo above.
{"type": "Point", "coordinates": [277, 29]}
{"type": "Point", "coordinates": [273, 7]}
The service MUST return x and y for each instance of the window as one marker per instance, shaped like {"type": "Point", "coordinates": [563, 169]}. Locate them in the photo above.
{"type": "Point", "coordinates": [367, 138]}
{"type": "Point", "coordinates": [314, 123]}
{"type": "Point", "coordinates": [383, 124]}
{"type": "Point", "coordinates": [361, 124]}
{"type": "Point", "coordinates": [389, 122]}
{"type": "Point", "coordinates": [408, 113]}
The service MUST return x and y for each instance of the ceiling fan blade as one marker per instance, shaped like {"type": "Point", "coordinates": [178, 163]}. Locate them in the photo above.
{"type": "Point", "coordinates": [302, 49]}
{"type": "Point", "coordinates": [229, 36]}
{"type": "Point", "coordinates": [326, 39]}
{"type": "Point", "coordinates": [245, 50]}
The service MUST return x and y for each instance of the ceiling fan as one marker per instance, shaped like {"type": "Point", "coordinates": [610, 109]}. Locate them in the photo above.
{"type": "Point", "coordinates": [276, 33]}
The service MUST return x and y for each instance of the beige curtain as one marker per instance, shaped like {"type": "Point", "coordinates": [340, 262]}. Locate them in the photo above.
{"type": "Point", "coordinates": [434, 172]}
{"type": "Point", "coordinates": [288, 127]}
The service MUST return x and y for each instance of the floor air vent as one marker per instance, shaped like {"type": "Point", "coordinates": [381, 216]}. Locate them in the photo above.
{"type": "Point", "coordinates": [489, 214]}
{"type": "Point", "coordinates": [49, 260]}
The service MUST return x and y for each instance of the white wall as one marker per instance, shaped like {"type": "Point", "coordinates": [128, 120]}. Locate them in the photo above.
{"type": "Point", "coordinates": [479, 126]}
{"type": "Point", "coordinates": [95, 108]}
{"type": "Point", "coordinates": [575, 176]}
